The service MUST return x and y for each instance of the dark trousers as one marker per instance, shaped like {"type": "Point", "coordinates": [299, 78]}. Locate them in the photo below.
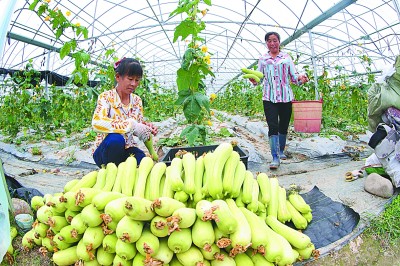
{"type": "Point", "coordinates": [278, 117]}
{"type": "Point", "coordinates": [112, 149]}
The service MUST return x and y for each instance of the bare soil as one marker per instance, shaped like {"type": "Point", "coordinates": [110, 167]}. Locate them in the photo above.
{"type": "Point", "coordinates": [365, 249]}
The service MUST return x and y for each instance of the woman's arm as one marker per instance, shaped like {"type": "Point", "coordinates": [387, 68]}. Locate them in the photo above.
{"type": "Point", "coordinates": [148, 142]}
{"type": "Point", "coordinates": [296, 78]}
{"type": "Point", "coordinates": [260, 69]}
{"type": "Point", "coordinates": [138, 103]}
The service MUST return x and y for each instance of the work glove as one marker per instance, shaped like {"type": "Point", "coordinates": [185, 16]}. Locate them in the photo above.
{"type": "Point", "coordinates": [140, 130]}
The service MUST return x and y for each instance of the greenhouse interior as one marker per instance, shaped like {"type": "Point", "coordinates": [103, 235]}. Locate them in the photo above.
{"type": "Point", "coordinates": [331, 35]}
{"type": "Point", "coordinates": [202, 87]}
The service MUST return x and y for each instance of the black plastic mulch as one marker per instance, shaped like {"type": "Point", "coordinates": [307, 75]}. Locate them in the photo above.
{"type": "Point", "coordinates": [331, 221]}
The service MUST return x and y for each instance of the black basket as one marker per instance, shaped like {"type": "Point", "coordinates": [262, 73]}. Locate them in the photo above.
{"type": "Point", "coordinates": [199, 150]}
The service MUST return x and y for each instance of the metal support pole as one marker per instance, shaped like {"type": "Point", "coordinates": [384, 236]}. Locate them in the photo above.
{"type": "Point", "coordinates": [47, 75]}
{"type": "Point", "coordinates": [314, 65]}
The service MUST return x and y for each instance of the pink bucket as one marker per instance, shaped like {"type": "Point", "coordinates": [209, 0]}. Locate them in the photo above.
{"type": "Point", "coordinates": [307, 116]}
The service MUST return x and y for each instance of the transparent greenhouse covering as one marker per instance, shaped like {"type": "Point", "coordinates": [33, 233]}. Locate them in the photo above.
{"type": "Point", "coordinates": [335, 35]}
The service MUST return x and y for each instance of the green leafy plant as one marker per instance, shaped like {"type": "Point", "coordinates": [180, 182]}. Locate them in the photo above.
{"type": "Point", "coordinates": [36, 151]}
{"type": "Point", "coordinates": [27, 78]}
{"type": "Point", "coordinates": [386, 225]}
{"type": "Point", "coordinates": [84, 142]}
{"type": "Point", "coordinates": [194, 69]}
{"type": "Point", "coordinates": [240, 97]}
{"type": "Point", "coordinates": [224, 132]}
{"type": "Point", "coordinates": [59, 23]}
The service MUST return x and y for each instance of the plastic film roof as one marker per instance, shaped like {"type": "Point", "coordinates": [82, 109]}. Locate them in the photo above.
{"type": "Point", "coordinates": [319, 33]}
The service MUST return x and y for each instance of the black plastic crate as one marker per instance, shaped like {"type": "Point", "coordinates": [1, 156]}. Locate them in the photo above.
{"type": "Point", "coordinates": [199, 150]}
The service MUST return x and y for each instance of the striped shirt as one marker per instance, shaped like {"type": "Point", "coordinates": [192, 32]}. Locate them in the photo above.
{"type": "Point", "coordinates": [110, 116]}
{"type": "Point", "coordinates": [278, 73]}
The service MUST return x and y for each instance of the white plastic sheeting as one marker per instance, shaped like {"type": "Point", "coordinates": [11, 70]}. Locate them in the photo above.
{"type": "Point", "coordinates": [5, 14]}
{"type": "Point", "coordinates": [5, 202]}
{"type": "Point", "coordinates": [342, 32]}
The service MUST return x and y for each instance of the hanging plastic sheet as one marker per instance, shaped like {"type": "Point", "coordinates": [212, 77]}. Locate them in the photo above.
{"type": "Point", "coordinates": [381, 96]}
{"type": "Point", "coordinates": [5, 239]}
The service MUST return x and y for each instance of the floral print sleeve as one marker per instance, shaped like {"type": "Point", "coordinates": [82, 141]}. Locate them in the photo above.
{"type": "Point", "coordinates": [110, 116]}
{"type": "Point", "coordinates": [103, 121]}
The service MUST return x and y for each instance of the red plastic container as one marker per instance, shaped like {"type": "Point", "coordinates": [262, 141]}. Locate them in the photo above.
{"type": "Point", "coordinates": [307, 116]}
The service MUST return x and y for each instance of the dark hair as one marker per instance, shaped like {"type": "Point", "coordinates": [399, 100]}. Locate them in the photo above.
{"type": "Point", "coordinates": [272, 33]}
{"type": "Point", "coordinates": [129, 67]}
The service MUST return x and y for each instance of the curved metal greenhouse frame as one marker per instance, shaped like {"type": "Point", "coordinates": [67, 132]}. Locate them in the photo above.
{"type": "Point", "coordinates": [331, 35]}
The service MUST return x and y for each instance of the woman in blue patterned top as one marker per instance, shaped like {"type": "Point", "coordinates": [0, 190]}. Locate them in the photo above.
{"type": "Point", "coordinates": [279, 71]}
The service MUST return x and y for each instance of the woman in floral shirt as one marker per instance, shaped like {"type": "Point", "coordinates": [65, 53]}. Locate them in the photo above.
{"type": "Point", "coordinates": [118, 117]}
{"type": "Point", "coordinates": [279, 71]}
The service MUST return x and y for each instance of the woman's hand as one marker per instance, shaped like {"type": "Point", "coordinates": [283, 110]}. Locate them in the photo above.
{"type": "Point", "coordinates": [303, 79]}
{"type": "Point", "coordinates": [253, 81]}
{"type": "Point", "coordinates": [154, 129]}
{"type": "Point", "coordinates": [141, 131]}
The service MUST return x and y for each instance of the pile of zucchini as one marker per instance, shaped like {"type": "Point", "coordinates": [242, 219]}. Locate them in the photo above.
{"type": "Point", "coordinates": [206, 210]}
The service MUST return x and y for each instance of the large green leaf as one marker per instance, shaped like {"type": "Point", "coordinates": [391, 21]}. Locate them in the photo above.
{"type": "Point", "coordinates": [85, 57]}
{"type": "Point", "coordinates": [182, 96]}
{"type": "Point", "coordinates": [184, 29]}
{"type": "Point", "coordinates": [183, 79]}
{"type": "Point", "coordinates": [193, 133]}
{"type": "Point", "coordinates": [78, 60]}
{"type": "Point", "coordinates": [65, 50]}
{"type": "Point", "coordinates": [187, 27]}
{"type": "Point", "coordinates": [33, 5]}
{"type": "Point", "coordinates": [206, 71]}
{"type": "Point", "coordinates": [82, 30]}
{"type": "Point", "coordinates": [202, 100]}
{"type": "Point", "coordinates": [195, 77]}
{"type": "Point", "coordinates": [42, 9]}
{"type": "Point", "coordinates": [192, 104]}
{"type": "Point", "coordinates": [191, 108]}
{"type": "Point", "coordinates": [187, 58]}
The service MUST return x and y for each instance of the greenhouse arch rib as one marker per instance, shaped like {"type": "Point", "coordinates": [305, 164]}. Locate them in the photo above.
{"type": "Point", "coordinates": [162, 27]}
{"type": "Point", "coordinates": [240, 30]}
{"type": "Point", "coordinates": [308, 27]}
{"type": "Point", "coordinates": [329, 13]}
{"type": "Point", "coordinates": [145, 30]}
{"type": "Point", "coordinates": [39, 44]}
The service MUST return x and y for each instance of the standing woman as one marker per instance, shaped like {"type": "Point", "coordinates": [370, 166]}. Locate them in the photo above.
{"type": "Point", "coordinates": [118, 118]}
{"type": "Point", "coordinates": [279, 70]}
